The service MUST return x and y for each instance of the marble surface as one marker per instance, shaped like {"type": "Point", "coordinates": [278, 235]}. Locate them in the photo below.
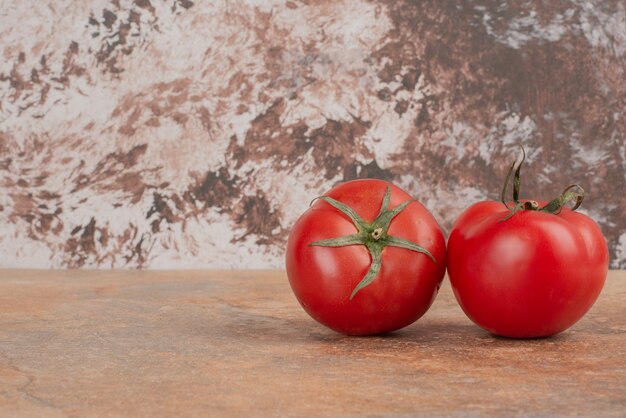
{"type": "Point", "coordinates": [236, 343]}
{"type": "Point", "coordinates": [180, 134]}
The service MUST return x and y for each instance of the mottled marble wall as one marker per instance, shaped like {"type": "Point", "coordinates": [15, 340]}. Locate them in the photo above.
{"type": "Point", "coordinates": [192, 133]}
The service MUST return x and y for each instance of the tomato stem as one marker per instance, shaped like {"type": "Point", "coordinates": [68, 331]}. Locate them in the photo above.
{"type": "Point", "coordinates": [377, 233]}
{"type": "Point", "coordinates": [571, 193]}
{"type": "Point", "coordinates": [373, 235]}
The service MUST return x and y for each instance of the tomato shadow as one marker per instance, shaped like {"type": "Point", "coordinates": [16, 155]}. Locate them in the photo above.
{"type": "Point", "coordinates": [562, 336]}
{"type": "Point", "coordinates": [454, 331]}
{"type": "Point", "coordinates": [440, 332]}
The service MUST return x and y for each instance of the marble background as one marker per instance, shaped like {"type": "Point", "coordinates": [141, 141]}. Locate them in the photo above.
{"type": "Point", "coordinates": [188, 134]}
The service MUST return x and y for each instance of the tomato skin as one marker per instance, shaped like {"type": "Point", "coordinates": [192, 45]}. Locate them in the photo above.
{"type": "Point", "coordinates": [532, 275]}
{"type": "Point", "coordinates": [322, 278]}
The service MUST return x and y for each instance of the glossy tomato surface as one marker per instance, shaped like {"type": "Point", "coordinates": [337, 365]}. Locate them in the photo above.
{"type": "Point", "coordinates": [323, 278]}
{"type": "Point", "coordinates": [532, 275]}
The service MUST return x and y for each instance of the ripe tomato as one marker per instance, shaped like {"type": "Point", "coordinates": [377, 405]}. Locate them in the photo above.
{"type": "Point", "coordinates": [366, 258]}
{"type": "Point", "coordinates": [531, 270]}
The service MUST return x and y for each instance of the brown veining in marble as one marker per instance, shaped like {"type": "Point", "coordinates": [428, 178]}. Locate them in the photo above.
{"type": "Point", "coordinates": [181, 133]}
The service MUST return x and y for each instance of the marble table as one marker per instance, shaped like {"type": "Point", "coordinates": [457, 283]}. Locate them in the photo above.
{"type": "Point", "coordinates": [236, 343]}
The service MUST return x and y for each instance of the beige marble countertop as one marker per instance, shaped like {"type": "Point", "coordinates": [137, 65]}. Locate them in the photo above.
{"type": "Point", "coordinates": [236, 343]}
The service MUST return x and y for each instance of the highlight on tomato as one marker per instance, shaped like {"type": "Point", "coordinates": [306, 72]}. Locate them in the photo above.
{"type": "Point", "coordinates": [366, 258]}
{"type": "Point", "coordinates": [527, 268]}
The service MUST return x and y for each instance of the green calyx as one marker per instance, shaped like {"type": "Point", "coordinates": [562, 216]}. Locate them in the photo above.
{"type": "Point", "coordinates": [373, 235]}
{"type": "Point", "coordinates": [573, 193]}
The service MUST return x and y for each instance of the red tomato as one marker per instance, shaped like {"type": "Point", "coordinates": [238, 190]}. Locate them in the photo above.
{"type": "Point", "coordinates": [528, 271]}
{"type": "Point", "coordinates": [383, 276]}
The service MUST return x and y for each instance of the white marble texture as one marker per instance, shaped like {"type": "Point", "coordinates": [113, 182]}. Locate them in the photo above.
{"type": "Point", "coordinates": [191, 134]}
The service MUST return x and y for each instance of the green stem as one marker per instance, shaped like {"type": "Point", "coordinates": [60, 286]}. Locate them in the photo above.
{"type": "Point", "coordinates": [556, 205]}
{"type": "Point", "coordinates": [373, 235]}
{"type": "Point", "coordinates": [372, 272]}
{"type": "Point", "coordinates": [571, 193]}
